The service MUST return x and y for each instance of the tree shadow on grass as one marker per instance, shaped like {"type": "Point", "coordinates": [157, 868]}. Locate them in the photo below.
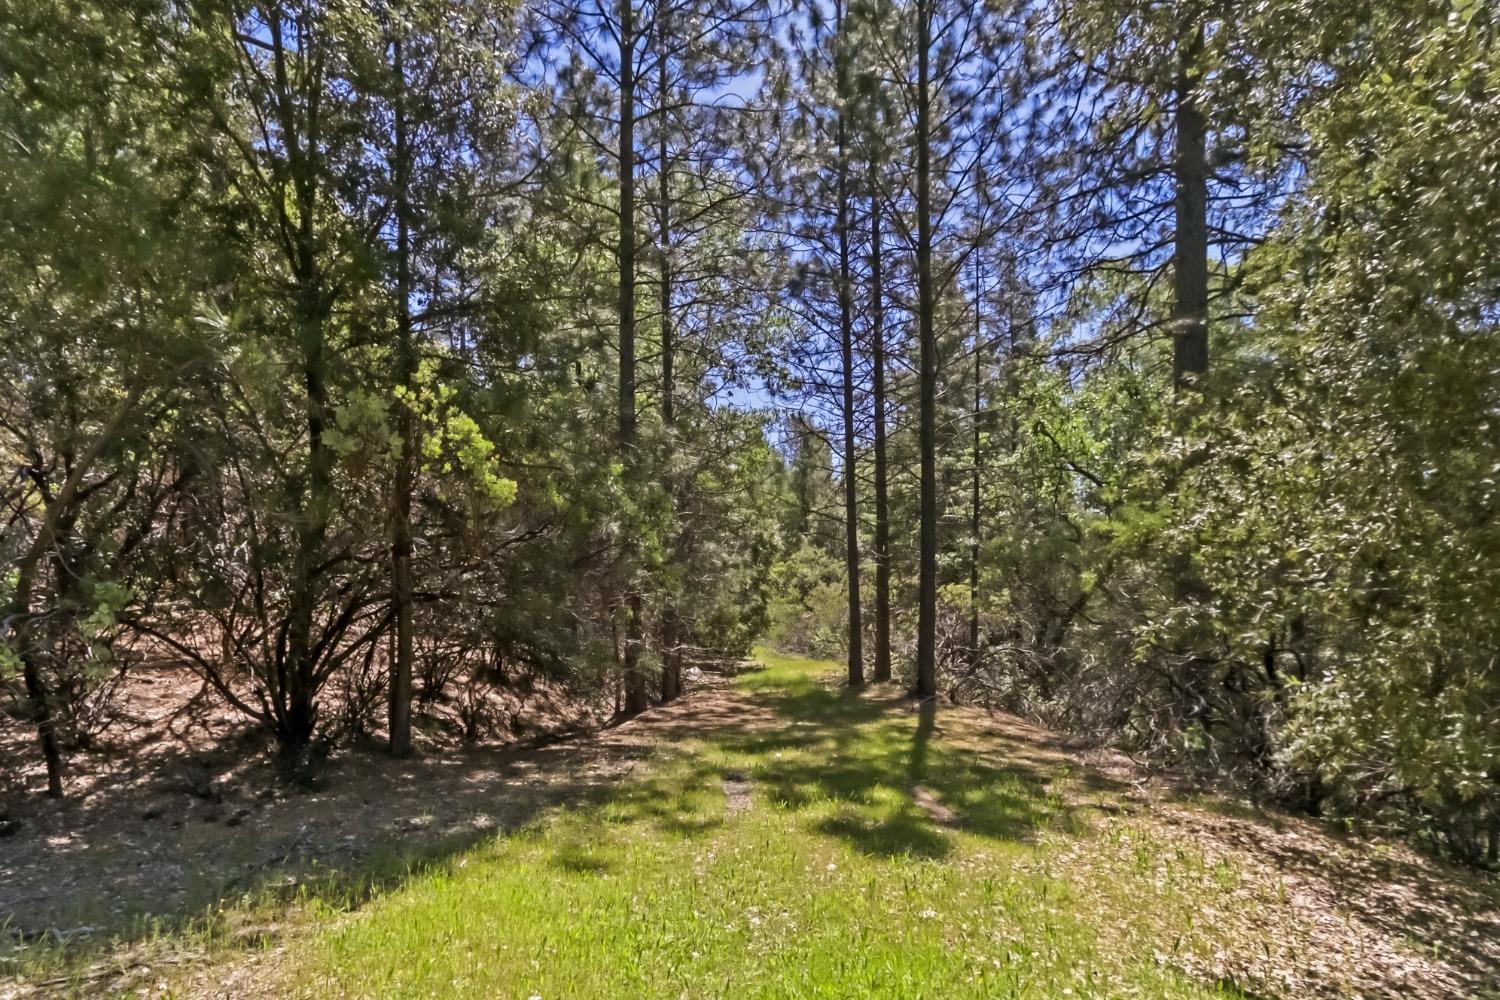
{"type": "Point", "coordinates": [850, 760]}
{"type": "Point", "coordinates": [887, 787]}
{"type": "Point", "coordinates": [151, 862]}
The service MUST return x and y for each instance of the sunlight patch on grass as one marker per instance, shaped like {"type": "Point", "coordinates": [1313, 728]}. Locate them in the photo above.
{"type": "Point", "coordinates": [835, 884]}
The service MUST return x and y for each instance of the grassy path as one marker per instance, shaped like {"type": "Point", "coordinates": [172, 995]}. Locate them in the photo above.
{"type": "Point", "coordinates": [877, 855]}
{"type": "Point", "coordinates": [780, 837]}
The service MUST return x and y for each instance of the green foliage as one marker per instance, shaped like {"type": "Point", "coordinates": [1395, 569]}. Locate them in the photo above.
{"type": "Point", "coordinates": [810, 604]}
{"type": "Point", "coordinates": [1283, 577]}
{"type": "Point", "coordinates": [202, 273]}
{"type": "Point", "coordinates": [281, 281]}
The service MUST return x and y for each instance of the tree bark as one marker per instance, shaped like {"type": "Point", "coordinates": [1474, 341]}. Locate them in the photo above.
{"type": "Point", "coordinates": [882, 667]}
{"type": "Point", "coordinates": [926, 679]}
{"type": "Point", "coordinates": [1190, 291]}
{"type": "Point", "coordinates": [974, 539]}
{"type": "Point", "coordinates": [846, 350]}
{"type": "Point", "coordinates": [1190, 172]}
{"type": "Point", "coordinates": [671, 661]}
{"type": "Point", "coordinates": [299, 713]}
{"type": "Point", "coordinates": [401, 544]}
{"type": "Point", "coordinates": [294, 708]}
{"type": "Point", "coordinates": [636, 697]}
{"type": "Point", "coordinates": [20, 613]}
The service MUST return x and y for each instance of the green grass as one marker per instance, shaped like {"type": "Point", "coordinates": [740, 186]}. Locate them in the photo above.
{"type": "Point", "coordinates": [835, 883]}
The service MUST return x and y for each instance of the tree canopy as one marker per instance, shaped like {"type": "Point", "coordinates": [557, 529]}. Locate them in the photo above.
{"type": "Point", "coordinates": [1131, 366]}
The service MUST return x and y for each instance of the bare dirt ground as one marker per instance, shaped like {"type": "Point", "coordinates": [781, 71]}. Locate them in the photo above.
{"type": "Point", "coordinates": [1312, 913]}
{"type": "Point", "coordinates": [179, 806]}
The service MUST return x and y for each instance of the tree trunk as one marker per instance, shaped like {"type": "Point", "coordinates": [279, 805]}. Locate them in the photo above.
{"type": "Point", "coordinates": [20, 614]}
{"type": "Point", "coordinates": [299, 713]}
{"type": "Point", "coordinates": [846, 349]}
{"type": "Point", "coordinates": [55, 520]}
{"type": "Point", "coordinates": [293, 683]}
{"type": "Point", "coordinates": [1189, 166]}
{"type": "Point", "coordinates": [671, 661]}
{"type": "Point", "coordinates": [974, 540]}
{"type": "Point", "coordinates": [1190, 277]}
{"type": "Point", "coordinates": [401, 545]}
{"type": "Point", "coordinates": [882, 671]}
{"type": "Point", "coordinates": [41, 709]}
{"type": "Point", "coordinates": [926, 685]}
{"type": "Point", "coordinates": [636, 697]}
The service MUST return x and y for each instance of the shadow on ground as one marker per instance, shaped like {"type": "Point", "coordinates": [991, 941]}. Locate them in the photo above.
{"type": "Point", "coordinates": [876, 770]}
{"type": "Point", "coordinates": [158, 851]}
{"type": "Point", "coordinates": [871, 756]}
{"type": "Point", "coordinates": [160, 855]}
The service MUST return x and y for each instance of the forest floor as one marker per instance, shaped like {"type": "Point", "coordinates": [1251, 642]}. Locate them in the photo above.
{"type": "Point", "coordinates": [770, 836]}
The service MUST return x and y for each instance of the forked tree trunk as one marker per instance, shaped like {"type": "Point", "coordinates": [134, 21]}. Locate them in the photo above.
{"type": "Point", "coordinates": [20, 615]}
{"type": "Point", "coordinates": [293, 685]}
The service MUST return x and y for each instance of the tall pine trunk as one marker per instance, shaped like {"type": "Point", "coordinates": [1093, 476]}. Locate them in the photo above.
{"type": "Point", "coordinates": [1190, 172]}
{"type": "Point", "coordinates": [1190, 297]}
{"type": "Point", "coordinates": [401, 544]}
{"type": "Point", "coordinates": [298, 715]}
{"type": "Point", "coordinates": [671, 660]}
{"type": "Point", "coordinates": [295, 680]}
{"type": "Point", "coordinates": [882, 667]}
{"type": "Point", "coordinates": [846, 350]}
{"type": "Point", "coordinates": [926, 685]}
{"type": "Point", "coordinates": [636, 696]}
{"type": "Point", "coordinates": [974, 526]}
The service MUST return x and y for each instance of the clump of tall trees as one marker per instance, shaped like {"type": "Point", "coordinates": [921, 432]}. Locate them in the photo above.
{"type": "Point", "coordinates": [1135, 366]}
{"type": "Point", "coordinates": [312, 323]}
{"type": "Point", "coordinates": [1181, 432]}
